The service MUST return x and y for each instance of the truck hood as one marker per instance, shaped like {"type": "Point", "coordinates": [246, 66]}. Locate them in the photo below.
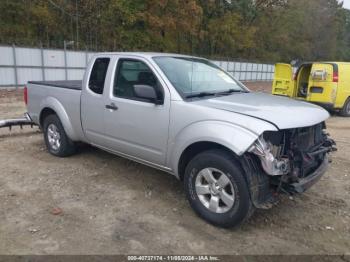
{"type": "Point", "coordinates": [283, 112]}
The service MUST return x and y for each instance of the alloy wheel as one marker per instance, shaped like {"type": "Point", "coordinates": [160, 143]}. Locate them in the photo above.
{"type": "Point", "coordinates": [215, 190]}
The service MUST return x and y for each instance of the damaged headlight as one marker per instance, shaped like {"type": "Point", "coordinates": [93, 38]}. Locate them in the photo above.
{"type": "Point", "coordinates": [269, 160]}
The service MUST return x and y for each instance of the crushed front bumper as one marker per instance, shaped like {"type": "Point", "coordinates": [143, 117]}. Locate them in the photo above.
{"type": "Point", "coordinates": [305, 183]}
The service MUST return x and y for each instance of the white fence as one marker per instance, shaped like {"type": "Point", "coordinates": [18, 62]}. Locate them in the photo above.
{"type": "Point", "coordinates": [18, 65]}
{"type": "Point", "coordinates": [248, 71]}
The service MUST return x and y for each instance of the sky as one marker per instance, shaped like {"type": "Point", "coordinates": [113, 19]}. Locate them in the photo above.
{"type": "Point", "coordinates": [347, 4]}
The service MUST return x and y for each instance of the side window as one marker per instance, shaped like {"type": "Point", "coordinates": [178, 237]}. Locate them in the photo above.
{"type": "Point", "coordinates": [134, 72]}
{"type": "Point", "coordinates": [98, 75]}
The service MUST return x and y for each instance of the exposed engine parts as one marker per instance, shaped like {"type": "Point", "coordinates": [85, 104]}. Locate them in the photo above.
{"type": "Point", "coordinates": [293, 154]}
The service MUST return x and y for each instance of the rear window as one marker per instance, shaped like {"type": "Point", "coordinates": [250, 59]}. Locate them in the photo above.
{"type": "Point", "coordinates": [98, 75]}
{"type": "Point", "coordinates": [322, 72]}
{"type": "Point", "coordinates": [319, 74]}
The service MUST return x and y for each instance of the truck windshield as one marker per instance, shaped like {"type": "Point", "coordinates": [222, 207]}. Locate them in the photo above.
{"type": "Point", "coordinates": [195, 77]}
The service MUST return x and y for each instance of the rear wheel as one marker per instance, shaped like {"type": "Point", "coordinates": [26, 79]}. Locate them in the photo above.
{"type": "Point", "coordinates": [345, 111]}
{"type": "Point", "coordinates": [216, 189]}
{"type": "Point", "coordinates": [56, 139]}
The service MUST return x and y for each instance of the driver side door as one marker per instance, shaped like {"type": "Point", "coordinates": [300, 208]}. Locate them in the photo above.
{"type": "Point", "coordinates": [134, 126]}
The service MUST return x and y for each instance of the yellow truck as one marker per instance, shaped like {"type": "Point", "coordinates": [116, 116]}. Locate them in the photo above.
{"type": "Point", "coordinates": [324, 83]}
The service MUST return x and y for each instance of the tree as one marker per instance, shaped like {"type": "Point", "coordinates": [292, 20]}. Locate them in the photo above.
{"type": "Point", "coordinates": [265, 30]}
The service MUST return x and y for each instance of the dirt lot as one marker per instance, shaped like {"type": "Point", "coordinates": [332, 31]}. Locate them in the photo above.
{"type": "Point", "coordinates": [114, 206]}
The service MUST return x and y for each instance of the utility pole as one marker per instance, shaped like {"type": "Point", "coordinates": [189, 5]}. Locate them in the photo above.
{"type": "Point", "coordinates": [65, 45]}
{"type": "Point", "coordinates": [77, 22]}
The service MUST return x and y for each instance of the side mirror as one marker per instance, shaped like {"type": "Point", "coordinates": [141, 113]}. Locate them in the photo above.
{"type": "Point", "coordinates": [147, 92]}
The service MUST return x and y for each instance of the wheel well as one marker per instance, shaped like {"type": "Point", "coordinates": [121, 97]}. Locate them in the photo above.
{"type": "Point", "coordinates": [193, 150]}
{"type": "Point", "coordinates": [44, 113]}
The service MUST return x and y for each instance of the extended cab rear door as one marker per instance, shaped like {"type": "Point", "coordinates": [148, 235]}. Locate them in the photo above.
{"type": "Point", "coordinates": [283, 83]}
{"type": "Point", "coordinates": [93, 100]}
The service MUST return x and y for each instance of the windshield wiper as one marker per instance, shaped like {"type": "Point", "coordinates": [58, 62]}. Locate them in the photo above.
{"type": "Point", "coordinates": [230, 91]}
{"type": "Point", "coordinates": [226, 92]}
{"type": "Point", "coordinates": [201, 94]}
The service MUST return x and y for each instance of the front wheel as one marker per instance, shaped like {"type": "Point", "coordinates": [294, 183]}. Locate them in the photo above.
{"type": "Point", "coordinates": [345, 111]}
{"type": "Point", "coordinates": [56, 139]}
{"type": "Point", "coordinates": [216, 189]}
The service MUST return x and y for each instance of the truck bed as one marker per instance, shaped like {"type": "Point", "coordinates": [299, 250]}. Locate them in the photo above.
{"type": "Point", "coordinates": [68, 84]}
{"type": "Point", "coordinates": [61, 96]}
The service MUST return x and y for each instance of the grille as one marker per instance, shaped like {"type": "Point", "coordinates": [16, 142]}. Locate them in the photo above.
{"type": "Point", "coordinates": [308, 138]}
{"type": "Point", "coordinates": [304, 139]}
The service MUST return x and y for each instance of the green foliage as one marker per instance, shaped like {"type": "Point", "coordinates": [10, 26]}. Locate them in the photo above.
{"type": "Point", "coordinates": [265, 30]}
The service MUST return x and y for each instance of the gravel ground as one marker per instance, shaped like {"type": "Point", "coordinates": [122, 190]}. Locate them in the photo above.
{"type": "Point", "coordinates": [97, 203]}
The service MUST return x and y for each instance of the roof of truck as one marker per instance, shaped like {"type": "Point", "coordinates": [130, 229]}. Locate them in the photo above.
{"type": "Point", "coordinates": [145, 54]}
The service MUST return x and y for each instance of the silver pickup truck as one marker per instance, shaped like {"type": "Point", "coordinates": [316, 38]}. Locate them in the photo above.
{"type": "Point", "coordinates": [234, 150]}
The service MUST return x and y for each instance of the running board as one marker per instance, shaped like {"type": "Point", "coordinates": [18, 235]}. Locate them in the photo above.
{"type": "Point", "coordinates": [25, 121]}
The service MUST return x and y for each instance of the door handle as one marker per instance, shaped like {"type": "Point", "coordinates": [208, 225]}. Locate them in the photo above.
{"type": "Point", "coordinates": [112, 107]}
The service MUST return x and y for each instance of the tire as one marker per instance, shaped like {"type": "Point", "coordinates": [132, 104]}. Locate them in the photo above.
{"type": "Point", "coordinates": [345, 111]}
{"type": "Point", "coordinates": [56, 139]}
{"type": "Point", "coordinates": [226, 213]}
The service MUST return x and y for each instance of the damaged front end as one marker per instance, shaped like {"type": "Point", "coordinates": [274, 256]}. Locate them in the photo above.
{"type": "Point", "coordinates": [294, 159]}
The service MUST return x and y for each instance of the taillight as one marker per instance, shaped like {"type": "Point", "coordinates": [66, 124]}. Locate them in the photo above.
{"type": "Point", "coordinates": [25, 95]}
{"type": "Point", "coordinates": [335, 77]}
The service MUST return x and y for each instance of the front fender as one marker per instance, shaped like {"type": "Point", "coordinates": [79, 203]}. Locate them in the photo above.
{"type": "Point", "coordinates": [55, 105]}
{"type": "Point", "coordinates": [236, 138]}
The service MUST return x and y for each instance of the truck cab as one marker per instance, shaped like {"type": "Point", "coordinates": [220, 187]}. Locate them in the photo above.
{"type": "Point", "coordinates": [324, 83]}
